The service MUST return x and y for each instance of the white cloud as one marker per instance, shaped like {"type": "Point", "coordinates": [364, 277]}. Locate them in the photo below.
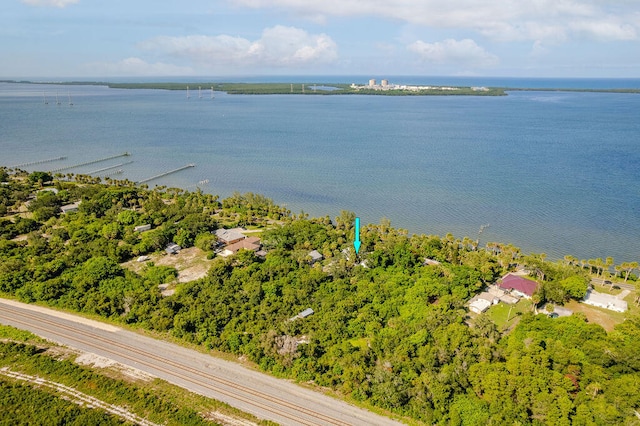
{"type": "Point", "coordinates": [53, 3]}
{"type": "Point", "coordinates": [605, 29]}
{"type": "Point", "coordinates": [454, 52]}
{"type": "Point", "coordinates": [135, 67]}
{"type": "Point", "coordinates": [278, 46]}
{"type": "Point", "coordinates": [506, 20]}
{"type": "Point", "coordinates": [538, 50]}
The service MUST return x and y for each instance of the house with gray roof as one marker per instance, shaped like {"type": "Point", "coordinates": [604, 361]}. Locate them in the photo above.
{"type": "Point", "coordinates": [70, 208]}
{"type": "Point", "coordinates": [229, 236]}
{"type": "Point", "coordinates": [315, 256]}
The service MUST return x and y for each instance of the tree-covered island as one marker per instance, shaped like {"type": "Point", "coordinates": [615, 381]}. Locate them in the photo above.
{"type": "Point", "coordinates": [319, 88]}
{"type": "Point", "coordinates": [388, 328]}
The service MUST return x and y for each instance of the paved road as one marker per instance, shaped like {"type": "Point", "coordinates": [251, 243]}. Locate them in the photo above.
{"type": "Point", "coordinates": [597, 282]}
{"type": "Point", "coordinates": [250, 391]}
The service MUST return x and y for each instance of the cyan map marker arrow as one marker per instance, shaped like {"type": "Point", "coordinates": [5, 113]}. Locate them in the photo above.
{"type": "Point", "coordinates": [356, 241]}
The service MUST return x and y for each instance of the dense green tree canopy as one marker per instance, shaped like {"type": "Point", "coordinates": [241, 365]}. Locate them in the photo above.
{"type": "Point", "coordinates": [389, 328]}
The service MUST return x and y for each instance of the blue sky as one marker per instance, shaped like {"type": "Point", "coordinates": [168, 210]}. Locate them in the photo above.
{"type": "Point", "coordinates": [518, 38]}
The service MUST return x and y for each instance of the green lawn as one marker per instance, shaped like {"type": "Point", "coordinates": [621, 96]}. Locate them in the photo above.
{"type": "Point", "coordinates": [505, 316]}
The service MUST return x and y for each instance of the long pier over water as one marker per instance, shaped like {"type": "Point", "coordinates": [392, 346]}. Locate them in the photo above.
{"type": "Point", "coordinates": [33, 163]}
{"type": "Point", "coordinates": [166, 173]}
{"type": "Point", "coordinates": [109, 168]}
{"type": "Point", "coordinates": [126, 154]}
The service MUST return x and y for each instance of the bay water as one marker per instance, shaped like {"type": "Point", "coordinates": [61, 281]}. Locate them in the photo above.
{"type": "Point", "coordinates": [549, 172]}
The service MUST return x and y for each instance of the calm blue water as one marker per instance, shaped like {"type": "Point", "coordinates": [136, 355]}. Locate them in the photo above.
{"type": "Point", "coordinates": [552, 172]}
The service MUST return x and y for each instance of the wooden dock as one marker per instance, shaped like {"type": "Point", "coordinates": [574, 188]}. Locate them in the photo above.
{"type": "Point", "coordinates": [100, 160]}
{"type": "Point", "coordinates": [166, 173]}
{"type": "Point", "coordinates": [33, 163]}
{"type": "Point", "coordinates": [104, 169]}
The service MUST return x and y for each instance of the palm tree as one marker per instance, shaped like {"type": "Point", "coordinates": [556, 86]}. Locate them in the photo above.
{"type": "Point", "coordinates": [494, 247]}
{"type": "Point", "coordinates": [599, 264]}
{"type": "Point", "coordinates": [467, 243]}
{"type": "Point", "coordinates": [608, 264]}
{"type": "Point", "coordinates": [628, 267]}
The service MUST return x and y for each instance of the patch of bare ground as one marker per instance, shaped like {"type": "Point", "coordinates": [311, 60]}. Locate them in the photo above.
{"type": "Point", "coordinates": [596, 315]}
{"type": "Point", "coordinates": [191, 263]}
{"type": "Point", "coordinates": [116, 370]}
{"type": "Point", "coordinates": [76, 396]}
{"type": "Point", "coordinates": [96, 361]}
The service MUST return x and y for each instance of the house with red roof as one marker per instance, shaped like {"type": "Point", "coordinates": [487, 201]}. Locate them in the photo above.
{"type": "Point", "coordinates": [250, 243]}
{"type": "Point", "coordinates": [518, 285]}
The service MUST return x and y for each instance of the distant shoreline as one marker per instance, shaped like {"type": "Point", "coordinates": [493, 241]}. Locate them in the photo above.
{"type": "Point", "coordinates": [319, 88]}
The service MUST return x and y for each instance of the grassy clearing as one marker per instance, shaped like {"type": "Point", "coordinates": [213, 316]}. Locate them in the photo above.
{"type": "Point", "coordinates": [506, 316]}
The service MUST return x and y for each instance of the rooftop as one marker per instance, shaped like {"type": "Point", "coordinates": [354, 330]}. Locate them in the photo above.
{"type": "Point", "coordinates": [229, 235]}
{"type": "Point", "coordinates": [519, 284]}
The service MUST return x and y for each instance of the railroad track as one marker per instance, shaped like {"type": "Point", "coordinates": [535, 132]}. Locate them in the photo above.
{"type": "Point", "coordinates": [261, 403]}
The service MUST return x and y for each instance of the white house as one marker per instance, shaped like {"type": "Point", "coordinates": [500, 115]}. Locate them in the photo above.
{"type": "Point", "coordinates": [70, 208]}
{"type": "Point", "coordinates": [479, 305]}
{"type": "Point", "coordinates": [482, 302]}
{"type": "Point", "coordinates": [142, 228]}
{"type": "Point", "coordinates": [606, 301]}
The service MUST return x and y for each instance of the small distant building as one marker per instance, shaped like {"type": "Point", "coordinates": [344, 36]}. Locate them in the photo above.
{"type": "Point", "coordinates": [142, 228]}
{"type": "Point", "coordinates": [230, 236]}
{"type": "Point", "coordinates": [479, 305]}
{"type": "Point", "coordinates": [50, 189]}
{"type": "Point", "coordinates": [606, 301]}
{"type": "Point", "coordinates": [517, 285]}
{"type": "Point", "coordinates": [307, 312]}
{"type": "Point", "coordinates": [70, 208]}
{"type": "Point", "coordinates": [251, 243]}
{"type": "Point", "coordinates": [173, 248]}
{"type": "Point", "coordinates": [430, 262]}
{"type": "Point", "coordinates": [315, 256]}
{"type": "Point", "coordinates": [372, 82]}
{"type": "Point", "coordinates": [143, 258]}
{"type": "Point", "coordinates": [482, 302]}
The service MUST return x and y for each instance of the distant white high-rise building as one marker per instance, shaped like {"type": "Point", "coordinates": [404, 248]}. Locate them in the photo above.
{"type": "Point", "coordinates": [372, 82]}
{"type": "Point", "coordinates": [384, 83]}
